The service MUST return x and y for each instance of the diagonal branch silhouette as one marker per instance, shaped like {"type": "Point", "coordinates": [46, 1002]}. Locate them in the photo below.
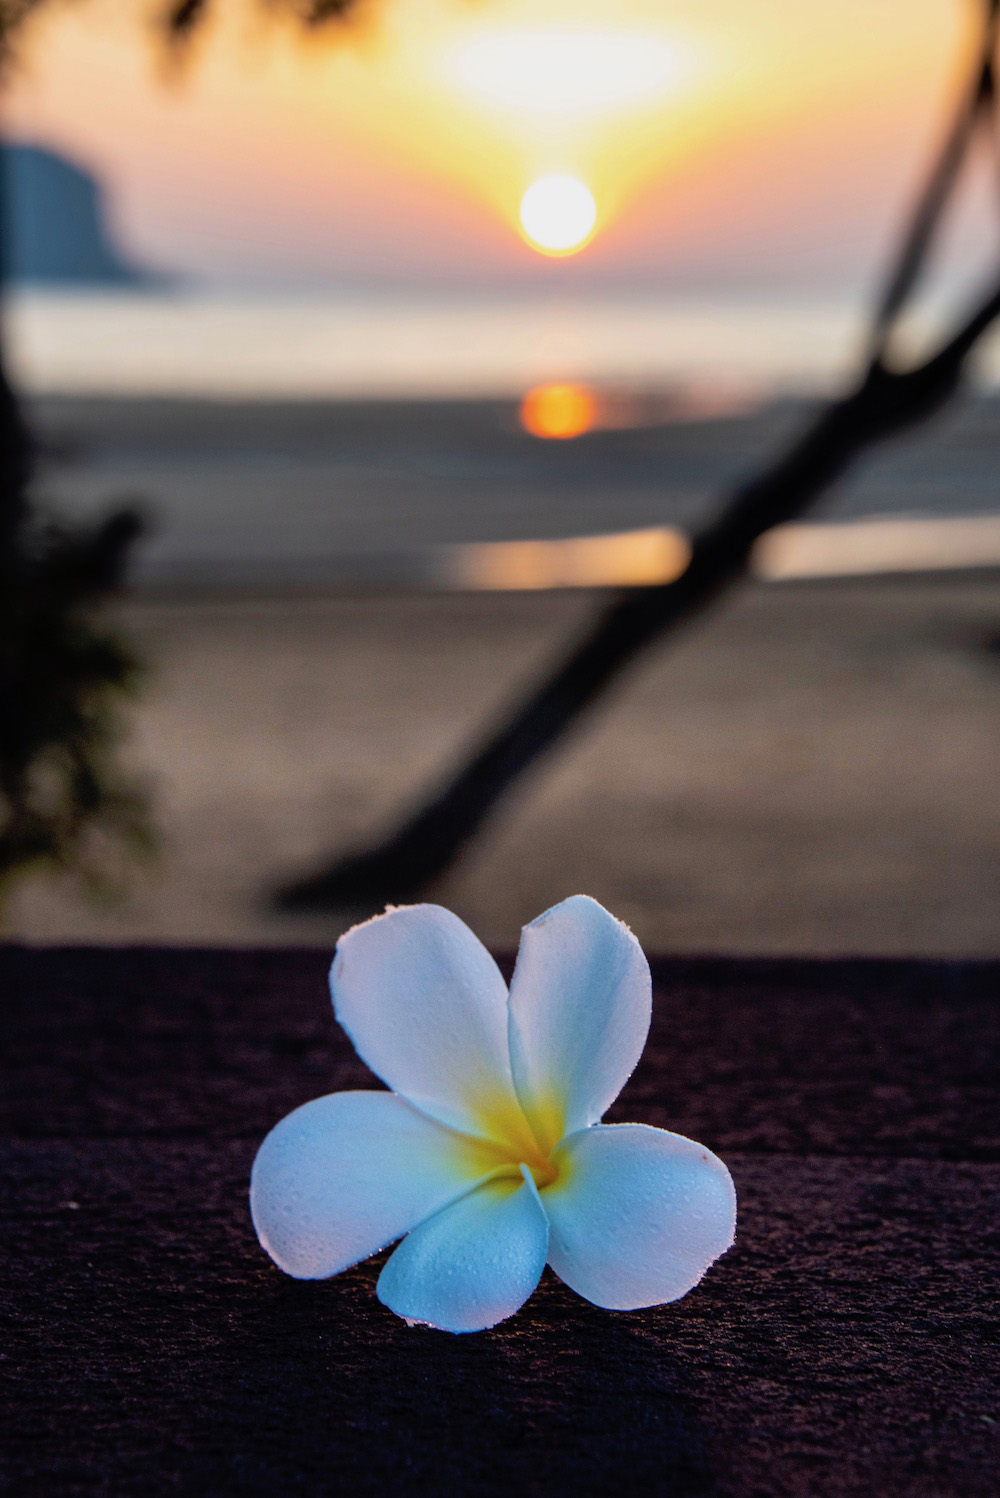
{"type": "Point", "coordinates": [883, 402]}
{"type": "Point", "coordinates": [974, 113]}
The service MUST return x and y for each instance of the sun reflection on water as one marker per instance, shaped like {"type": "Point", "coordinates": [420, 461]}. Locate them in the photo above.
{"type": "Point", "coordinates": [559, 410]}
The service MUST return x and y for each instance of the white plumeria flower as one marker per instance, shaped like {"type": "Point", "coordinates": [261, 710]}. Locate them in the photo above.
{"type": "Point", "coordinates": [488, 1158]}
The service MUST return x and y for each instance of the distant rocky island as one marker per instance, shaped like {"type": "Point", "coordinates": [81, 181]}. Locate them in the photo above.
{"type": "Point", "coordinates": [56, 231]}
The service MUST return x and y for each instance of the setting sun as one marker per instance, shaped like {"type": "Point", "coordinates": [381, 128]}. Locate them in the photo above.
{"type": "Point", "coordinates": [558, 215]}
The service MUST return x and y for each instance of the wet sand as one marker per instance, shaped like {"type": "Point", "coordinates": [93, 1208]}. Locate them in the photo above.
{"type": "Point", "coordinates": [327, 494]}
{"type": "Point", "coordinates": [812, 769]}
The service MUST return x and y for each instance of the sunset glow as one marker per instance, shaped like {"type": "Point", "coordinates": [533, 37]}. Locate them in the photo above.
{"type": "Point", "coordinates": [558, 214]}
{"type": "Point", "coordinates": [731, 139]}
{"type": "Point", "coordinates": [562, 72]}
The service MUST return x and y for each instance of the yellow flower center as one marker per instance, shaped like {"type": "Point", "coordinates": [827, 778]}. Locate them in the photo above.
{"type": "Point", "coordinates": [509, 1144]}
{"type": "Point", "coordinates": [511, 1162]}
{"type": "Point", "coordinates": [544, 1173]}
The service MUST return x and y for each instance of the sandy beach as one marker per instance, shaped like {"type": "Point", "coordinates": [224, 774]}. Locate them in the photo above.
{"type": "Point", "coordinates": [812, 769]}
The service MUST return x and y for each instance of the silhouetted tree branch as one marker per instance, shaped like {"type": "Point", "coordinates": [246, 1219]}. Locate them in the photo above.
{"type": "Point", "coordinates": [975, 108]}
{"type": "Point", "coordinates": [883, 402]}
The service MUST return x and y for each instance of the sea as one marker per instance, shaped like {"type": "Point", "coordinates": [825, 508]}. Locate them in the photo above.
{"type": "Point", "coordinates": [416, 345]}
{"type": "Point", "coordinates": [372, 437]}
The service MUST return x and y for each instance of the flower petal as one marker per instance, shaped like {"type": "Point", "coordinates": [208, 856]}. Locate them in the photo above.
{"type": "Point", "coordinates": [426, 1007]}
{"type": "Point", "coordinates": [473, 1264]}
{"type": "Point", "coordinates": [344, 1175]}
{"type": "Point", "coordinates": [637, 1215]}
{"type": "Point", "coordinates": [579, 1015]}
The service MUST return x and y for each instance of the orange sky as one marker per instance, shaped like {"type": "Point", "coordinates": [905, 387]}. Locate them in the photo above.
{"type": "Point", "coordinates": [722, 139]}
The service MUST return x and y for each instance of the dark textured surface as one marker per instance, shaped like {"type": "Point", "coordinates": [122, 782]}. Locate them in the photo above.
{"type": "Point", "coordinates": [844, 1346]}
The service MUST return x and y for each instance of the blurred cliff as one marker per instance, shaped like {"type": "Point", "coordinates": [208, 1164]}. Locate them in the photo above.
{"type": "Point", "coordinates": [57, 231]}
